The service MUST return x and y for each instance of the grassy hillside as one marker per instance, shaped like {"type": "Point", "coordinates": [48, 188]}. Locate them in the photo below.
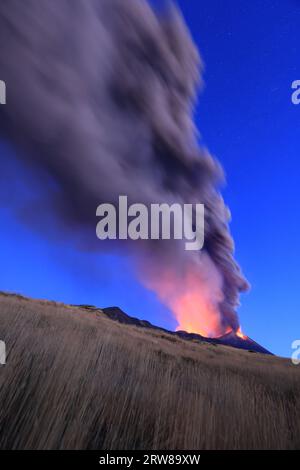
{"type": "Point", "coordinates": [75, 379]}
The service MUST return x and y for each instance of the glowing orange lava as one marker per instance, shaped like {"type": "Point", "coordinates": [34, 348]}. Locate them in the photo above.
{"type": "Point", "coordinates": [240, 334]}
{"type": "Point", "coordinates": [195, 314]}
{"type": "Point", "coordinates": [193, 295]}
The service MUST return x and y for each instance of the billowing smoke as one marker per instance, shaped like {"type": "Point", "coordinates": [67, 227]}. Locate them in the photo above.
{"type": "Point", "coordinates": [100, 97]}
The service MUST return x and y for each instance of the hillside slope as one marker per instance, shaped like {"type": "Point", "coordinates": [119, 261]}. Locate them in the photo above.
{"type": "Point", "coordinates": [75, 379]}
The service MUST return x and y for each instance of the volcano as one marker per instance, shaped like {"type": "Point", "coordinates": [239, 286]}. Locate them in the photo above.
{"type": "Point", "coordinates": [231, 339]}
{"type": "Point", "coordinates": [81, 377]}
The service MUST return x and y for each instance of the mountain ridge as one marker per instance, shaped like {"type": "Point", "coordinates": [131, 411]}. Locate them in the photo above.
{"type": "Point", "coordinates": [230, 339]}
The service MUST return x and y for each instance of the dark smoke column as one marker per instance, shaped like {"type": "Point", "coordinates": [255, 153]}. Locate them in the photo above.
{"type": "Point", "coordinates": [100, 95]}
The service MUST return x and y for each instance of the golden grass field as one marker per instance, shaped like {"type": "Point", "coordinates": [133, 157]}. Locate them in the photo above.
{"type": "Point", "coordinates": [75, 379]}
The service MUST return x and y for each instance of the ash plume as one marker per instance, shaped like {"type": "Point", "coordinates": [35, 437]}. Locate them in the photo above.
{"type": "Point", "coordinates": [100, 96]}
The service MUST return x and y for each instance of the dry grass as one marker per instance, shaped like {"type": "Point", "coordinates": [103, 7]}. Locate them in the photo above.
{"type": "Point", "coordinates": [77, 380]}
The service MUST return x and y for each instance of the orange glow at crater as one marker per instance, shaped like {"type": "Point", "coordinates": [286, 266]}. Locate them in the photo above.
{"type": "Point", "coordinates": [240, 334]}
{"type": "Point", "coordinates": [196, 314]}
{"type": "Point", "coordinates": [193, 295]}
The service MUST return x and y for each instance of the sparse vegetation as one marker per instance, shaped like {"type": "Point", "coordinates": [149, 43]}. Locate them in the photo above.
{"type": "Point", "coordinates": [75, 379]}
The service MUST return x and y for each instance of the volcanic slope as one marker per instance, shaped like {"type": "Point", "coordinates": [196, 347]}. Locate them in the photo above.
{"type": "Point", "coordinates": [76, 379]}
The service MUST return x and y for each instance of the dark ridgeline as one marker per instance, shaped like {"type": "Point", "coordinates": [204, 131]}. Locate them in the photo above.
{"type": "Point", "coordinates": [229, 339]}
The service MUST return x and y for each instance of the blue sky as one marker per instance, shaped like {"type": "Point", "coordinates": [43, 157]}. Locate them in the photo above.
{"type": "Point", "coordinates": [246, 118]}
